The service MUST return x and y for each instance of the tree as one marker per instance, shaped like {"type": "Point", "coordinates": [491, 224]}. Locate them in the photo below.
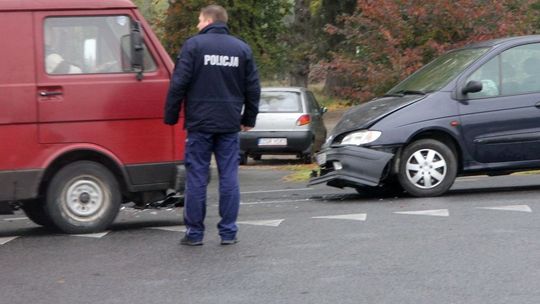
{"type": "Point", "coordinates": [299, 39]}
{"type": "Point", "coordinates": [153, 11]}
{"type": "Point", "coordinates": [329, 12]}
{"type": "Point", "coordinates": [259, 23]}
{"type": "Point", "coordinates": [386, 40]}
{"type": "Point", "coordinates": [325, 13]}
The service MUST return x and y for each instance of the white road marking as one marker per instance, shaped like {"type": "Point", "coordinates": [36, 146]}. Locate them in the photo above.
{"type": "Point", "coordinates": [439, 212]}
{"type": "Point", "coordinates": [520, 208]}
{"type": "Point", "coordinates": [270, 223]}
{"type": "Point", "coordinates": [354, 217]}
{"type": "Point", "coordinates": [4, 240]}
{"type": "Point", "coordinates": [278, 202]}
{"type": "Point", "coordinates": [179, 228]}
{"type": "Point", "coordinates": [15, 219]}
{"type": "Point", "coordinates": [92, 235]}
{"type": "Point", "coordinates": [279, 190]}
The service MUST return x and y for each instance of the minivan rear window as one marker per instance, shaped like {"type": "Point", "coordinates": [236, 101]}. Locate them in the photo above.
{"type": "Point", "coordinates": [282, 102]}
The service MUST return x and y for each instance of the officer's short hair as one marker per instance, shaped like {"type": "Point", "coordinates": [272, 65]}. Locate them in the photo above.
{"type": "Point", "coordinates": [215, 12]}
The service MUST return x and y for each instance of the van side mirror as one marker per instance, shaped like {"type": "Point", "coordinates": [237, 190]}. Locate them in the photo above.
{"type": "Point", "coordinates": [137, 49]}
{"type": "Point", "coordinates": [473, 86]}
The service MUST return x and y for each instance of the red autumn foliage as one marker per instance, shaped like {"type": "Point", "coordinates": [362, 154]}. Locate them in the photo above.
{"type": "Point", "coordinates": [387, 40]}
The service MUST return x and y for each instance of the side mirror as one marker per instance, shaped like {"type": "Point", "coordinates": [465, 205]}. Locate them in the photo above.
{"type": "Point", "coordinates": [472, 86]}
{"type": "Point", "coordinates": [324, 110]}
{"type": "Point", "coordinates": [137, 49]}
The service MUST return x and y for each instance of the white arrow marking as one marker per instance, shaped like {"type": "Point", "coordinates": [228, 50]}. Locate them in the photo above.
{"type": "Point", "coordinates": [271, 223]}
{"type": "Point", "coordinates": [4, 240]}
{"type": "Point", "coordinates": [280, 190]}
{"type": "Point", "coordinates": [520, 208]}
{"type": "Point", "coordinates": [170, 228]}
{"type": "Point", "coordinates": [92, 235]}
{"type": "Point", "coordinates": [15, 219]}
{"type": "Point", "coordinates": [439, 212]}
{"type": "Point", "coordinates": [354, 217]}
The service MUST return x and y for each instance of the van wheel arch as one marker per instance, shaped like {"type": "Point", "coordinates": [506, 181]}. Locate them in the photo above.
{"type": "Point", "coordinates": [83, 155]}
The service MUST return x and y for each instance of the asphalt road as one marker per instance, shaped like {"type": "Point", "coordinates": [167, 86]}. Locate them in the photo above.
{"type": "Point", "coordinates": [478, 244]}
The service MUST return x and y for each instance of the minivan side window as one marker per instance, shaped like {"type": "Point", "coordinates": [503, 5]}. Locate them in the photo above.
{"type": "Point", "coordinates": [489, 75]}
{"type": "Point", "coordinates": [522, 66]}
{"type": "Point", "coordinates": [89, 45]}
{"type": "Point", "coordinates": [514, 71]}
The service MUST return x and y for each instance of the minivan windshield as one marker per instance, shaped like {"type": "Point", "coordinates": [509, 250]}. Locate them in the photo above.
{"type": "Point", "coordinates": [438, 73]}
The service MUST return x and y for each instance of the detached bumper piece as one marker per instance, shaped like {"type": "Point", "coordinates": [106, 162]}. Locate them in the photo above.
{"type": "Point", "coordinates": [350, 166]}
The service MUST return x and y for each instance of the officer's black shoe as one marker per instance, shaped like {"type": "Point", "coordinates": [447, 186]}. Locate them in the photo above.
{"type": "Point", "coordinates": [229, 242]}
{"type": "Point", "coordinates": [188, 242]}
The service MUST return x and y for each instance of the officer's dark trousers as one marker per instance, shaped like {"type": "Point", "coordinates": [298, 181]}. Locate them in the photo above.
{"type": "Point", "coordinates": [199, 148]}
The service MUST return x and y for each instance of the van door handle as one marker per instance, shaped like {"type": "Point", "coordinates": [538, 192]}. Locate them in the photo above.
{"type": "Point", "coordinates": [51, 93]}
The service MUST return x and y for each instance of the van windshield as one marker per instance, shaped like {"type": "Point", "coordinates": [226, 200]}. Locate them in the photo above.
{"type": "Point", "coordinates": [439, 72]}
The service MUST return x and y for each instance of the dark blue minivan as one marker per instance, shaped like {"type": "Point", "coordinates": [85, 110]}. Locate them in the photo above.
{"type": "Point", "coordinates": [474, 110]}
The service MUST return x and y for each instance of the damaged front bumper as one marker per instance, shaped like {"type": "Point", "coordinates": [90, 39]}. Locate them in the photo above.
{"type": "Point", "coordinates": [352, 166]}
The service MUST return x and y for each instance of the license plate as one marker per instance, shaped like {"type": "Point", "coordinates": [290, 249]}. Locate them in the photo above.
{"type": "Point", "coordinates": [321, 158]}
{"type": "Point", "coordinates": [272, 141]}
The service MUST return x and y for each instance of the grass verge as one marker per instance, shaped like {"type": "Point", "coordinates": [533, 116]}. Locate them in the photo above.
{"type": "Point", "coordinates": [300, 173]}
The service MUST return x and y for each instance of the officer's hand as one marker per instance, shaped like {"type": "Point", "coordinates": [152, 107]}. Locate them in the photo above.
{"type": "Point", "coordinates": [245, 128]}
{"type": "Point", "coordinates": [170, 122]}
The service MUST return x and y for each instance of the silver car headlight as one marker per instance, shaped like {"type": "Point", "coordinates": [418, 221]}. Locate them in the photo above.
{"type": "Point", "coordinates": [361, 137]}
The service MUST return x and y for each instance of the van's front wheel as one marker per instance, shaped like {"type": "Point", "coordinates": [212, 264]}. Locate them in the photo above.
{"type": "Point", "coordinates": [83, 197]}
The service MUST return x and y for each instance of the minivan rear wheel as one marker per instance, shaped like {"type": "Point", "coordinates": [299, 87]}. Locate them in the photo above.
{"type": "Point", "coordinates": [428, 168]}
{"type": "Point", "coordinates": [83, 197]}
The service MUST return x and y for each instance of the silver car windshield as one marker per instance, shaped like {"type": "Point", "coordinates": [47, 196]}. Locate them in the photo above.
{"type": "Point", "coordinates": [281, 102]}
{"type": "Point", "coordinates": [439, 72]}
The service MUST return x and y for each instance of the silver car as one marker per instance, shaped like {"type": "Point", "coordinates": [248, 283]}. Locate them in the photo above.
{"type": "Point", "coordinates": [289, 122]}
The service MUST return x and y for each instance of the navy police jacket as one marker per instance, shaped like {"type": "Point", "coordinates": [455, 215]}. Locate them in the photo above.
{"type": "Point", "coordinates": [214, 77]}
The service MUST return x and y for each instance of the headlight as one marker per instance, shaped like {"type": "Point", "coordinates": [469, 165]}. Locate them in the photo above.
{"type": "Point", "coordinates": [361, 137]}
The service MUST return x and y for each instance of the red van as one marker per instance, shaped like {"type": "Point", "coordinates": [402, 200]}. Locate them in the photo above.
{"type": "Point", "coordinates": [82, 88]}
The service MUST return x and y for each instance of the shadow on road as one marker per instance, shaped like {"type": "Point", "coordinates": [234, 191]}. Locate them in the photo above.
{"type": "Point", "coordinates": [367, 196]}
{"type": "Point", "coordinates": [273, 160]}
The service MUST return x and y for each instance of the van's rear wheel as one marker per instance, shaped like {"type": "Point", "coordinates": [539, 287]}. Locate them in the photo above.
{"type": "Point", "coordinates": [83, 197]}
{"type": "Point", "coordinates": [428, 168]}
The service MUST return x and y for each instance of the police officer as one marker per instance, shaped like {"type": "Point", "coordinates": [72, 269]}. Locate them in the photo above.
{"type": "Point", "coordinates": [215, 77]}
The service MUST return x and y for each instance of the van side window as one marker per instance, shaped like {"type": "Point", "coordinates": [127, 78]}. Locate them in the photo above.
{"type": "Point", "coordinates": [89, 45]}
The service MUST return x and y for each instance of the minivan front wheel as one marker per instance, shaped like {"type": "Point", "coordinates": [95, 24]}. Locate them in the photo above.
{"type": "Point", "coordinates": [428, 168]}
{"type": "Point", "coordinates": [83, 197]}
